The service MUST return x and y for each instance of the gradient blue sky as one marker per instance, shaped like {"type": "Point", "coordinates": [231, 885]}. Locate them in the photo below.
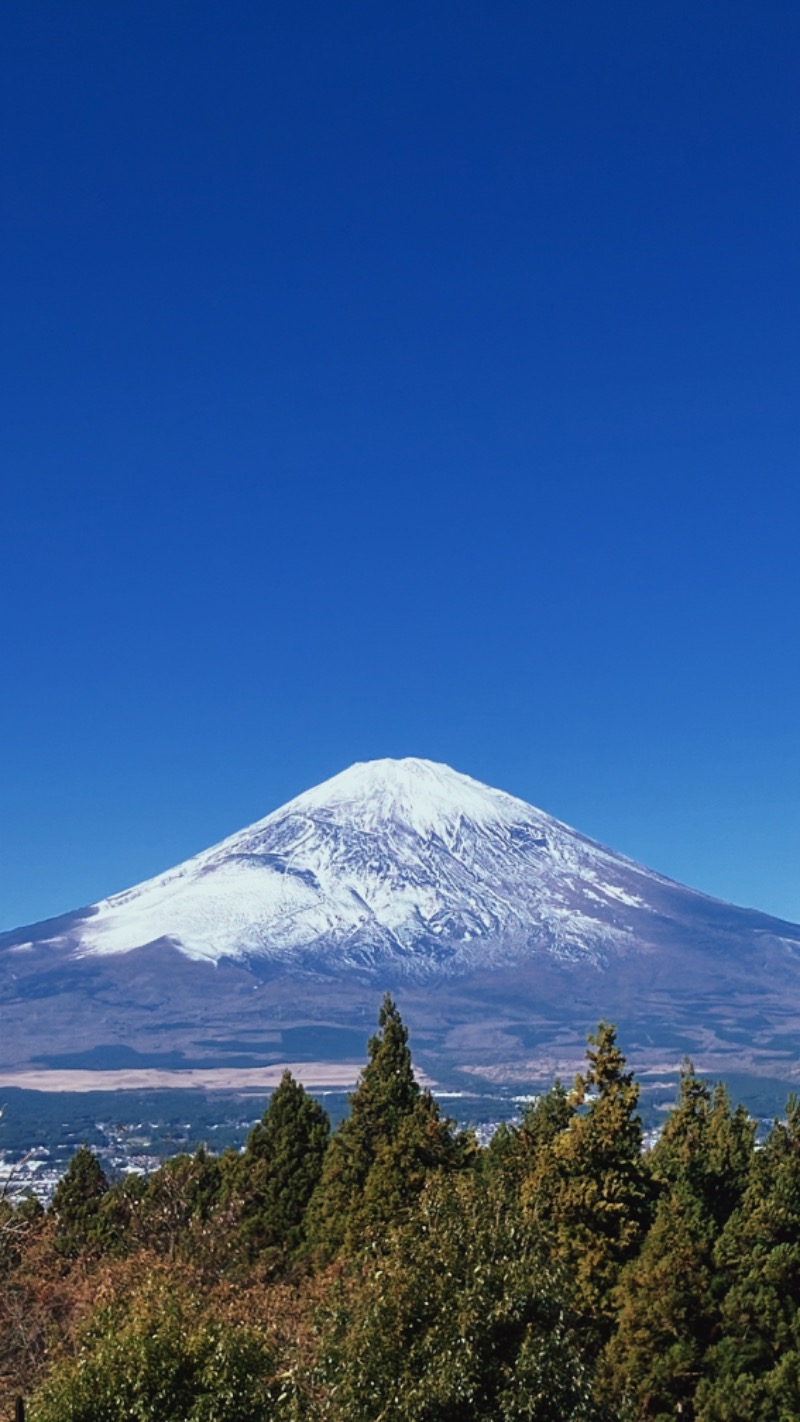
{"type": "Point", "coordinates": [399, 379]}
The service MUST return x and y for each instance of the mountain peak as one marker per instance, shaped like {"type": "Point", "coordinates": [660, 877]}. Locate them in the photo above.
{"type": "Point", "coordinates": [405, 864]}
{"type": "Point", "coordinates": [425, 795]}
{"type": "Point", "coordinates": [399, 866]}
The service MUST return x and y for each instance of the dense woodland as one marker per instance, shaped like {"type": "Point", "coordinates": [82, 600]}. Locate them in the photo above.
{"type": "Point", "coordinates": [395, 1272]}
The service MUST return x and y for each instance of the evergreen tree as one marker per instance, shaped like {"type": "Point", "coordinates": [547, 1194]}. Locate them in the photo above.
{"type": "Point", "coordinates": [281, 1167]}
{"type": "Point", "coordinates": [457, 1315]}
{"type": "Point", "coordinates": [667, 1315]}
{"type": "Point", "coordinates": [682, 1149]}
{"type": "Point", "coordinates": [755, 1367]}
{"type": "Point", "coordinates": [423, 1143]}
{"type": "Point", "coordinates": [705, 1146]}
{"type": "Point", "coordinates": [589, 1190]}
{"type": "Point", "coordinates": [731, 1139]}
{"type": "Point", "coordinates": [515, 1149]}
{"type": "Point", "coordinates": [76, 1204]}
{"type": "Point", "coordinates": [380, 1155]}
{"type": "Point", "coordinates": [667, 1297]}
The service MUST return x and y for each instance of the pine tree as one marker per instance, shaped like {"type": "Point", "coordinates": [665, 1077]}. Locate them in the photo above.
{"type": "Point", "coordinates": [731, 1137]}
{"type": "Point", "coordinates": [706, 1146]}
{"type": "Point", "coordinates": [755, 1367]}
{"type": "Point", "coordinates": [281, 1167]}
{"type": "Point", "coordinates": [589, 1190]}
{"type": "Point", "coordinates": [380, 1155]}
{"type": "Point", "coordinates": [515, 1149]}
{"type": "Point", "coordinates": [668, 1296]}
{"type": "Point", "coordinates": [76, 1204]}
{"type": "Point", "coordinates": [667, 1315]}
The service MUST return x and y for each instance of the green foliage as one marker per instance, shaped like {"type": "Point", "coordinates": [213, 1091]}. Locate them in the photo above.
{"type": "Point", "coordinates": [280, 1169]}
{"type": "Point", "coordinates": [76, 1205]}
{"type": "Point", "coordinates": [515, 1150]}
{"type": "Point", "coordinates": [588, 1189]}
{"type": "Point", "coordinates": [667, 1314]}
{"type": "Point", "coordinates": [668, 1298]}
{"type": "Point", "coordinates": [705, 1145]}
{"type": "Point", "coordinates": [380, 1156]}
{"type": "Point", "coordinates": [171, 1212]}
{"type": "Point", "coordinates": [755, 1367]}
{"type": "Point", "coordinates": [457, 1316]}
{"type": "Point", "coordinates": [156, 1357]}
{"type": "Point", "coordinates": [379, 1277]}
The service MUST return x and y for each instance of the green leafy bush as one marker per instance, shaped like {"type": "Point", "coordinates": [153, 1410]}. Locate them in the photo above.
{"type": "Point", "coordinates": [156, 1358]}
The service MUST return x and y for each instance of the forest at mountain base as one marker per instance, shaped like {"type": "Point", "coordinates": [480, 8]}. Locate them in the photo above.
{"type": "Point", "coordinates": [395, 1271]}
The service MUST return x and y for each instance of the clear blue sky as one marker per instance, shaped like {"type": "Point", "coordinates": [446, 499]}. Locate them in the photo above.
{"type": "Point", "coordinates": [387, 379]}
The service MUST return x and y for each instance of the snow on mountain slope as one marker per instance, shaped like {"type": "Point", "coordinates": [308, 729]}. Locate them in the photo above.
{"type": "Point", "coordinates": [401, 861]}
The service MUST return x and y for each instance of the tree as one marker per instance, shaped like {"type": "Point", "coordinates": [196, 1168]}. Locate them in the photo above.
{"type": "Point", "coordinates": [667, 1315]}
{"type": "Point", "coordinates": [455, 1315]}
{"type": "Point", "coordinates": [157, 1355]}
{"type": "Point", "coordinates": [755, 1366]}
{"type": "Point", "coordinates": [177, 1211]}
{"type": "Point", "coordinates": [76, 1204]}
{"type": "Point", "coordinates": [515, 1149]}
{"type": "Point", "coordinates": [380, 1155]}
{"type": "Point", "coordinates": [280, 1168]}
{"type": "Point", "coordinates": [589, 1189]}
{"type": "Point", "coordinates": [668, 1296]}
{"type": "Point", "coordinates": [706, 1145]}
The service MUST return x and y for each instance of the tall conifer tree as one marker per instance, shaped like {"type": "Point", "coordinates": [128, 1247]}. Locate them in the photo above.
{"type": "Point", "coordinates": [590, 1189]}
{"type": "Point", "coordinates": [380, 1156]}
{"type": "Point", "coordinates": [76, 1202]}
{"type": "Point", "coordinates": [667, 1297]}
{"type": "Point", "coordinates": [755, 1371]}
{"type": "Point", "coordinates": [281, 1167]}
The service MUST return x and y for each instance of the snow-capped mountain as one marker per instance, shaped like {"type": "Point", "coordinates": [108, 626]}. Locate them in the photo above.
{"type": "Point", "coordinates": [393, 860]}
{"type": "Point", "coordinates": [505, 934]}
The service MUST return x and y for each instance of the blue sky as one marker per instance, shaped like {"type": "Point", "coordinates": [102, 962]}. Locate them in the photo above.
{"type": "Point", "coordinates": [399, 379]}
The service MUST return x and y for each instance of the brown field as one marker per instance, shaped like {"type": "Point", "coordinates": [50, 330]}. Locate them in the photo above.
{"type": "Point", "coordinates": [324, 1074]}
